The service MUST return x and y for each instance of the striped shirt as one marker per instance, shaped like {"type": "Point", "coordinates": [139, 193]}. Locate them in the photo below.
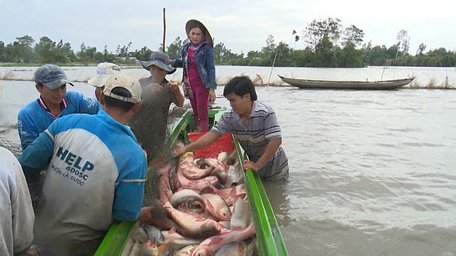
{"type": "Point", "coordinates": [261, 127]}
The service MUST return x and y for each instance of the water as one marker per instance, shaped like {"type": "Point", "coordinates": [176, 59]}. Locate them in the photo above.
{"type": "Point", "coordinates": [371, 172]}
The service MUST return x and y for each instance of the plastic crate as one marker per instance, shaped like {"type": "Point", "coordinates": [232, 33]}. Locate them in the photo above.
{"type": "Point", "coordinates": [223, 143]}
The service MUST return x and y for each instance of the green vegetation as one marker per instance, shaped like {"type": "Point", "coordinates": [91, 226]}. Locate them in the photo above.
{"type": "Point", "coordinates": [327, 44]}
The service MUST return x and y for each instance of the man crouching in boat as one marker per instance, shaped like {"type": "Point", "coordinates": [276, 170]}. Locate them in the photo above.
{"type": "Point", "coordinates": [256, 127]}
{"type": "Point", "coordinates": [95, 172]}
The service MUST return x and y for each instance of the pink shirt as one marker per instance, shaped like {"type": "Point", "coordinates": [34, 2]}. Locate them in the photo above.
{"type": "Point", "coordinates": [193, 75]}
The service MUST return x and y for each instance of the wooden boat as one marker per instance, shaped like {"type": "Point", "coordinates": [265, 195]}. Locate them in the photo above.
{"type": "Point", "coordinates": [118, 240]}
{"type": "Point", "coordinates": [347, 85]}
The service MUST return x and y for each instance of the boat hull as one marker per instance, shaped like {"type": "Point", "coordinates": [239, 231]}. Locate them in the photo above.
{"type": "Point", "coordinates": [348, 85]}
{"type": "Point", "coordinates": [118, 240]}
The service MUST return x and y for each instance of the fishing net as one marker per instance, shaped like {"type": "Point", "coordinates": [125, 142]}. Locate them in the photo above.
{"type": "Point", "coordinates": [149, 124]}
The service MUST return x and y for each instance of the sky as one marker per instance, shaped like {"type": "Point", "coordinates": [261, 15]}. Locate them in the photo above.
{"type": "Point", "coordinates": [241, 26]}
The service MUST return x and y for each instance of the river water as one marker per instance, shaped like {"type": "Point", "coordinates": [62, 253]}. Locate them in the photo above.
{"type": "Point", "coordinates": [371, 172]}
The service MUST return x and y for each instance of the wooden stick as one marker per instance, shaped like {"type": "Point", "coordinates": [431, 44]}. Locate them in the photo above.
{"type": "Point", "coordinates": [273, 63]}
{"type": "Point", "coordinates": [164, 30]}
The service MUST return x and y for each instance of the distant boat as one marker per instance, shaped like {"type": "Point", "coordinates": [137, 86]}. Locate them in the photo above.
{"type": "Point", "coordinates": [348, 85]}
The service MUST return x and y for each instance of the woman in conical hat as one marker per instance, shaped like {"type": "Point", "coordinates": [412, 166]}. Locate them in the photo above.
{"type": "Point", "coordinates": [197, 59]}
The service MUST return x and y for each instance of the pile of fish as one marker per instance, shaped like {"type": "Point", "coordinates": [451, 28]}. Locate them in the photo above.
{"type": "Point", "coordinates": [202, 209]}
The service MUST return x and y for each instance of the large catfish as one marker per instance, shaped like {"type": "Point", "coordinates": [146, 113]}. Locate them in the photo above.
{"type": "Point", "coordinates": [185, 195]}
{"type": "Point", "coordinates": [216, 206]}
{"type": "Point", "coordinates": [195, 226]}
{"type": "Point", "coordinates": [199, 185]}
{"type": "Point", "coordinates": [211, 245]}
{"type": "Point", "coordinates": [178, 241]}
{"type": "Point", "coordinates": [194, 169]}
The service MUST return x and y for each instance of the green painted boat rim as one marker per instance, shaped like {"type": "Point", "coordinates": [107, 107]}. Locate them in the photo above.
{"type": "Point", "coordinates": [267, 230]}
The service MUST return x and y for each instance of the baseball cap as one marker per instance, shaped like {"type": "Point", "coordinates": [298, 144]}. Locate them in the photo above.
{"type": "Point", "coordinates": [159, 59]}
{"type": "Point", "coordinates": [104, 70]}
{"type": "Point", "coordinates": [51, 75]}
{"type": "Point", "coordinates": [123, 81]}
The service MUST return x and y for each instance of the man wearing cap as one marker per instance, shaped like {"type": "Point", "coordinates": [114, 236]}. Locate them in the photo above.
{"type": "Point", "coordinates": [150, 123]}
{"type": "Point", "coordinates": [54, 102]}
{"type": "Point", "coordinates": [104, 70]}
{"type": "Point", "coordinates": [95, 172]}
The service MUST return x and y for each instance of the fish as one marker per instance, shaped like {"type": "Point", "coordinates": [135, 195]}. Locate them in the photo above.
{"type": "Point", "coordinates": [164, 188]}
{"type": "Point", "coordinates": [199, 184]}
{"type": "Point", "coordinates": [158, 218]}
{"type": "Point", "coordinates": [186, 251]}
{"type": "Point", "coordinates": [228, 194]}
{"type": "Point", "coordinates": [241, 216]}
{"type": "Point", "coordinates": [139, 234]}
{"type": "Point", "coordinates": [194, 169]}
{"type": "Point", "coordinates": [219, 170]}
{"type": "Point", "coordinates": [233, 176]}
{"type": "Point", "coordinates": [178, 241]}
{"type": "Point", "coordinates": [238, 248]}
{"type": "Point", "coordinates": [185, 195]}
{"type": "Point", "coordinates": [196, 227]}
{"type": "Point", "coordinates": [216, 206]}
{"type": "Point", "coordinates": [195, 208]}
{"type": "Point", "coordinates": [152, 249]}
{"type": "Point", "coordinates": [212, 244]}
{"type": "Point", "coordinates": [154, 234]}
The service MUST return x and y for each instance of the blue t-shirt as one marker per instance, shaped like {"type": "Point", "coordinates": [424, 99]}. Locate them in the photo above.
{"type": "Point", "coordinates": [95, 172]}
{"type": "Point", "coordinates": [34, 118]}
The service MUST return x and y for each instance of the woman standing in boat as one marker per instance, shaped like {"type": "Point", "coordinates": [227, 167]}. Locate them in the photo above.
{"type": "Point", "coordinates": [197, 59]}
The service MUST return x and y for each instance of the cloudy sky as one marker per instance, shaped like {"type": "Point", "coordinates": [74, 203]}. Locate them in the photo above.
{"type": "Point", "coordinates": [241, 25]}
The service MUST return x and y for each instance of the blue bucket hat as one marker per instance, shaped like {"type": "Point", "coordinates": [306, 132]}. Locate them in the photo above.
{"type": "Point", "coordinates": [158, 59]}
{"type": "Point", "coordinates": [51, 75]}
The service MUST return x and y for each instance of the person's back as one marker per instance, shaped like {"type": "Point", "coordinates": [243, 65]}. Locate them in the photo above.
{"type": "Point", "coordinates": [16, 212]}
{"type": "Point", "coordinates": [89, 181]}
{"type": "Point", "coordinates": [93, 166]}
{"type": "Point", "coordinates": [149, 124]}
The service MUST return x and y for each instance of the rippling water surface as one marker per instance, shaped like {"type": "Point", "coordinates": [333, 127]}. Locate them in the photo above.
{"type": "Point", "coordinates": [372, 172]}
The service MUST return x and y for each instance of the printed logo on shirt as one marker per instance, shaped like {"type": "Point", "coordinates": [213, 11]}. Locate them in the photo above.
{"type": "Point", "coordinates": [77, 169]}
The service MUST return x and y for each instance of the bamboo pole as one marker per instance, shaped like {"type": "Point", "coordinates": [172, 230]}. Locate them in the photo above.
{"type": "Point", "coordinates": [273, 63]}
{"type": "Point", "coordinates": [164, 31]}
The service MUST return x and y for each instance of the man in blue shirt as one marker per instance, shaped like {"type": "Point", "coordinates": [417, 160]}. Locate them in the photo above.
{"type": "Point", "coordinates": [95, 172]}
{"type": "Point", "coordinates": [54, 102]}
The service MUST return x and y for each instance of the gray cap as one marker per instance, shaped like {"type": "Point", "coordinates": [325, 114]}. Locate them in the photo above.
{"type": "Point", "coordinates": [159, 59]}
{"type": "Point", "coordinates": [51, 75]}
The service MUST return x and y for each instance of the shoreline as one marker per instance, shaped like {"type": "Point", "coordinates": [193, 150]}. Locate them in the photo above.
{"type": "Point", "coordinates": [281, 85]}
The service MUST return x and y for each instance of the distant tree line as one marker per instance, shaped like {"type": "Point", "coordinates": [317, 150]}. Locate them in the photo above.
{"type": "Point", "coordinates": [327, 44]}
